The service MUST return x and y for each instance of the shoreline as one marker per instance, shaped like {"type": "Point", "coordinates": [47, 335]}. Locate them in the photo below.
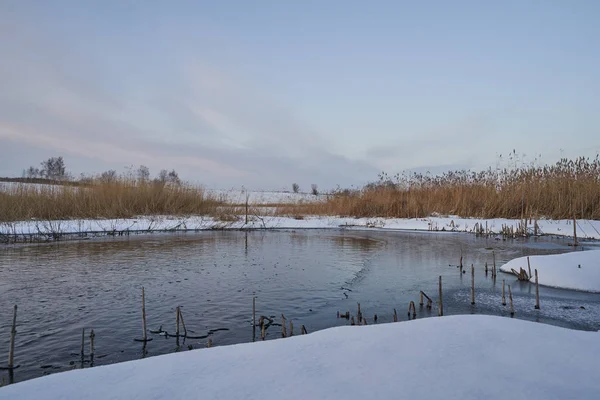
{"type": "Point", "coordinates": [54, 230]}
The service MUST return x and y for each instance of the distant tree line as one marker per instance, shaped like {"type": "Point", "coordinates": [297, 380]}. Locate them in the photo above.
{"type": "Point", "coordinates": [54, 169]}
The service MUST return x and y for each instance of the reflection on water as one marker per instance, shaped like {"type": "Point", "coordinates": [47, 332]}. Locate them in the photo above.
{"type": "Point", "coordinates": [61, 288]}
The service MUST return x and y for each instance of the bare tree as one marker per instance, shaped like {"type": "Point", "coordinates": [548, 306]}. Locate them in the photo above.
{"type": "Point", "coordinates": [162, 176]}
{"type": "Point", "coordinates": [130, 173]}
{"type": "Point", "coordinates": [54, 168]}
{"type": "Point", "coordinates": [33, 172]}
{"type": "Point", "coordinates": [165, 176]}
{"type": "Point", "coordinates": [143, 173]}
{"type": "Point", "coordinates": [173, 177]}
{"type": "Point", "coordinates": [314, 189]}
{"type": "Point", "coordinates": [86, 179]}
{"type": "Point", "coordinates": [108, 176]}
{"type": "Point", "coordinates": [295, 187]}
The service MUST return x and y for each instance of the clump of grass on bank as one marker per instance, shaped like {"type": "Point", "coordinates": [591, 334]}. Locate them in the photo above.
{"type": "Point", "coordinates": [564, 190]}
{"type": "Point", "coordinates": [120, 198]}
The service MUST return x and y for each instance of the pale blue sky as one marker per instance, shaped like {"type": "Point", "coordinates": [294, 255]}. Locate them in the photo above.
{"type": "Point", "coordinates": [266, 93]}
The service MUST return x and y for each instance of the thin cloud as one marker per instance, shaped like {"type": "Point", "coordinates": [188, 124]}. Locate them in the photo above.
{"type": "Point", "coordinates": [209, 125]}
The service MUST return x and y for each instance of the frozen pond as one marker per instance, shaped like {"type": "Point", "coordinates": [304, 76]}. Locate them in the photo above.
{"type": "Point", "coordinates": [308, 275]}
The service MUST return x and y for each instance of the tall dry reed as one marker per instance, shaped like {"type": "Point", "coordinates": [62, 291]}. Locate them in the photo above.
{"type": "Point", "coordinates": [563, 190]}
{"type": "Point", "coordinates": [118, 199]}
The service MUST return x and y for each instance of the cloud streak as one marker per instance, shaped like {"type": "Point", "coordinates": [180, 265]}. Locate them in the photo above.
{"type": "Point", "coordinates": [232, 96]}
{"type": "Point", "coordinates": [205, 122]}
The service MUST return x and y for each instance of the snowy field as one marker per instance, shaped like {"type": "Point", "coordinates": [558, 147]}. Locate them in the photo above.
{"type": "Point", "coordinates": [454, 357]}
{"type": "Point", "coordinates": [13, 186]}
{"type": "Point", "coordinates": [586, 229]}
{"type": "Point", "coordinates": [578, 270]}
{"type": "Point", "coordinates": [259, 197]}
{"type": "Point", "coordinates": [232, 196]}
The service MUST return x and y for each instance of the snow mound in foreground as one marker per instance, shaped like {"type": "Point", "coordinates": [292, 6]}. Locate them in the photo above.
{"type": "Point", "coordinates": [578, 270]}
{"type": "Point", "coordinates": [454, 357]}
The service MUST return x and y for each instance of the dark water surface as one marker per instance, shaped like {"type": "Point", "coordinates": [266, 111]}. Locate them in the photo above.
{"type": "Point", "coordinates": [308, 275]}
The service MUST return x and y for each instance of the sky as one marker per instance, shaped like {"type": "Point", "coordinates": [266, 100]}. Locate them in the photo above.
{"type": "Point", "coordinates": [262, 94]}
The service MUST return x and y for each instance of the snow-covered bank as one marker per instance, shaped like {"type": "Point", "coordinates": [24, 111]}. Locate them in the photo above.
{"type": "Point", "coordinates": [585, 228]}
{"type": "Point", "coordinates": [455, 357]}
{"type": "Point", "coordinates": [578, 270]}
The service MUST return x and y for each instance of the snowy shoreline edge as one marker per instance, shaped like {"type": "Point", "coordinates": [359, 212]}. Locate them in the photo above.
{"type": "Point", "coordinates": [54, 229]}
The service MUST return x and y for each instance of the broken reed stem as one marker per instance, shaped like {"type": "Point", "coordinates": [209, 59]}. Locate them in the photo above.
{"type": "Point", "coordinates": [82, 342]}
{"type": "Point", "coordinates": [283, 328]}
{"type": "Point", "coordinates": [537, 292]}
{"type": "Point", "coordinates": [440, 302]}
{"type": "Point", "coordinates": [512, 310]}
{"type": "Point", "coordinates": [461, 261]}
{"type": "Point", "coordinates": [472, 284]}
{"type": "Point", "coordinates": [429, 301]}
{"type": "Point", "coordinates": [494, 265]}
{"type": "Point", "coordinates": [411, 306]}
{"type": "Point", "coordinates": [182, 322]}
{"type": "Point", "coordinates": [253, 311]}
{"type": "Point", "coordinates": [92, 336]}
{"type": "Point", "coordinates": [486, 269]}
{"type": "Point", "coordinates": [359, 315]}
{"type": "Point", "coordinates": [209, 343]}
{"type": "Point", "coordinates": [253, 318]}
{"type": "Point", "coordinates": [395, 316]}
{"type": "Point", "coordinates": [13, 333]}
{"type": "Point", "coordinates": [291, 329]}
{"type": "Point", "coordinates": [144, 337]}
{"type": "Point", "coordinates": [177, 323]}
{"type": "Point", "coordinates": [262, 332]}
{"type": "Point", "coordinates": [421, 298]}
{"type": "Point", "coordinates": [247, 201]}
{"type": "Point", "coordinates": [529, 267]}
{"type": "Point", "coordinates": [303, 330]}
{"type": "Point", "coordinates": [574, 231]}
{"type": "Point", "coordinates": [503, 297]}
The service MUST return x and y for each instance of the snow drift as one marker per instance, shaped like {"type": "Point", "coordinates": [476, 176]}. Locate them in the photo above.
{"type": "Point", "coordinates": [579, 270]}
{"type": "Point", "coordinates": [455, 357]}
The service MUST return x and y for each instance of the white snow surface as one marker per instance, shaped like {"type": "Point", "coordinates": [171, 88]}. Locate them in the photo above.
{"type": "Point", "coordinates": [578, 270]}
{"type": "Point", "coordinates": [454, 357]}
{"type": "Point", "coordinates": [587, 229]}
{"type": "Point", "coordinates": [264, 197]}
{"type": "Point", "coordinates": [14, 186]}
